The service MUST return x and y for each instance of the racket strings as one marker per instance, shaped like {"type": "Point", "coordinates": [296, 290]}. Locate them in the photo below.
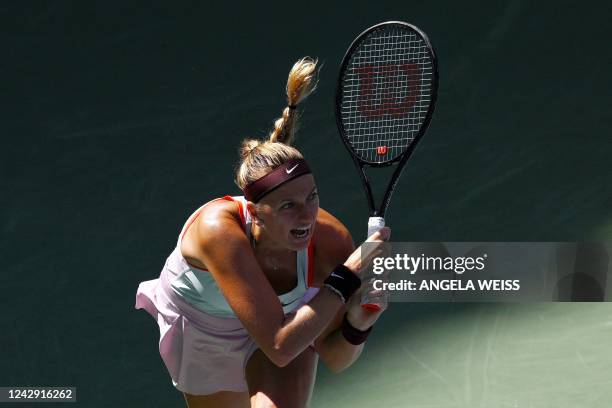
{"type": "Point", "coordinates": [386, 93]}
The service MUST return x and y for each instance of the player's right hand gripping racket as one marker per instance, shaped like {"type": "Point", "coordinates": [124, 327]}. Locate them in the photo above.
{"type": "Point", "coordinates": [384, 102]}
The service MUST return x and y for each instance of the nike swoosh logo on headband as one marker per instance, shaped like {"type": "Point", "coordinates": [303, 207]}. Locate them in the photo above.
{"type": "Point", "coordinates": [291, 169]}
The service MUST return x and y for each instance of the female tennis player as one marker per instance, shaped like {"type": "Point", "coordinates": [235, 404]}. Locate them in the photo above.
{"type": "Point", "coordinates": [262, 285]}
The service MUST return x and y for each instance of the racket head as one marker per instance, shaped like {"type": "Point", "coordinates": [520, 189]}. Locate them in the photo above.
{"type": "Point", "coordinates": [386, 95]}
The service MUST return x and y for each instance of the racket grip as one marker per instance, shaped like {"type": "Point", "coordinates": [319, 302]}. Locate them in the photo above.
{"type": "Point", "coordinates": [374, 224]}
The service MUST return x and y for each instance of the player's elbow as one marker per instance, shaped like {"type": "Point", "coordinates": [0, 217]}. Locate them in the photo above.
{"type": "Point", "coordinates": [337, 360]}
{"type": "Point", "coordinates": [282, 362]}
{"type": "Point", "coordinates": [336, 368]}
{"type": "Point", "coordinates": [278, 353]}
{"type": "Point", "coordinates": [279, 357]}
{"type": "Point", "coordinates": [334, 364]}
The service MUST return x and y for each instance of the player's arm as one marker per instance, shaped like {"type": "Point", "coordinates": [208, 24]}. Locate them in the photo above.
{"type": "Point", "coordinates": [334, 244]}
{"type": "Point", "coordinates": [225, 250]}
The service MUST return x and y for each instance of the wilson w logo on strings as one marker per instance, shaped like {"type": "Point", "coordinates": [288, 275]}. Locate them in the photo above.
{"type": "Point", "coordinates": [388, 90]}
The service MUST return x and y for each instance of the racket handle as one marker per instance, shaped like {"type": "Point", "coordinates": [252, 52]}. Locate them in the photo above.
{"type": "Point", "coordinates": [374, 224]}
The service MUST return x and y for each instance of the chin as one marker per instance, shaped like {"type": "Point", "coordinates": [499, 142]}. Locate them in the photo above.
{"type": "Point", "coordinates": [299, 244]}
{"type": "Point", "coordinates": [299, 247]}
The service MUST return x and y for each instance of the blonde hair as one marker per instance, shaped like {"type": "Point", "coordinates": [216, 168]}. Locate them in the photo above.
{"type": "Point", "coordinates": [259, 157]}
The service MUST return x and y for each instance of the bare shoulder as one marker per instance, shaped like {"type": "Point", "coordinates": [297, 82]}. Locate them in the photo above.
{"type": "Point", "coordinates": [333, 244]}
{"type": "Point", "coordinates": [216, 219]}
{"type": "Point", "coordinates": [219, 211]}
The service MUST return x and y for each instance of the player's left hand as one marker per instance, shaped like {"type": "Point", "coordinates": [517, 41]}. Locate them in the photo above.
{"type": "Point", "coordinates": [361, 318]}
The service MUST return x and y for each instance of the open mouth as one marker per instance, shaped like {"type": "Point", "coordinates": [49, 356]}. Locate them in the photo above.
{"type": "Point", "coordinates": [300, 233]}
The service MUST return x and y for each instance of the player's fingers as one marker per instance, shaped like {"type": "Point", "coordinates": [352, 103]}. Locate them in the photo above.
{"type": "Point", "coordinates": [380, 300]}
{"type": "Point", "coordinates": [363, 255]}
{"type": "Point", "coordinates": [381, 235]}
{"type": "Point", "coordinates": [372, 248]}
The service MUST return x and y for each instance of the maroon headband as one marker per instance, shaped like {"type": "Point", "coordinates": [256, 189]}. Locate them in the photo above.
{"type": "Point", "coordinates": [280, 175]}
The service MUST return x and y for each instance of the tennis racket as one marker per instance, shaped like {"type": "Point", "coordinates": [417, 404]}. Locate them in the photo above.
{"type": "Point", "coordinates": [385, 99]}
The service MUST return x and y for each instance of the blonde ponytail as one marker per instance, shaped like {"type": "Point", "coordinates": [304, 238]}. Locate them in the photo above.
{"type": "Point", "coordinates": [257, 157]}
{"type": "Point", "coordinates": [300, 84]}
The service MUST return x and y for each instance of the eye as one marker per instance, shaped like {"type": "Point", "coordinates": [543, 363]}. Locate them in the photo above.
{"type": "Point", "coordinates": [313, 196]}
{"type": "Point", "coordinates": [286, 206]}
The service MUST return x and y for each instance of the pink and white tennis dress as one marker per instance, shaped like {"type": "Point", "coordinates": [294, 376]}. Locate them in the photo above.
{"type": "Point", "coordinates": [202, 343]}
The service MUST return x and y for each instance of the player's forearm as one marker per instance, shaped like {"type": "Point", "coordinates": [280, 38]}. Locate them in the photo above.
{"type": "Point", "coordinates": [337, 353]}
{"type": "Point", "coordinates": [299, 330]}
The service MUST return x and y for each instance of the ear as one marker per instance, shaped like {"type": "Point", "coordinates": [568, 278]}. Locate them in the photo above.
{"type": "Point", "coordinates": [253, 211]}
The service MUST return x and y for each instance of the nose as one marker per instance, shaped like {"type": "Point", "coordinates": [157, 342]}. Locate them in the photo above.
{"type": "Point", "coordinates": [306, 214]}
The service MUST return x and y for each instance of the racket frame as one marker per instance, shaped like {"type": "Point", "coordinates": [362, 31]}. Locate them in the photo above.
{"type": "Point", "coordinates": [399, 161]}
